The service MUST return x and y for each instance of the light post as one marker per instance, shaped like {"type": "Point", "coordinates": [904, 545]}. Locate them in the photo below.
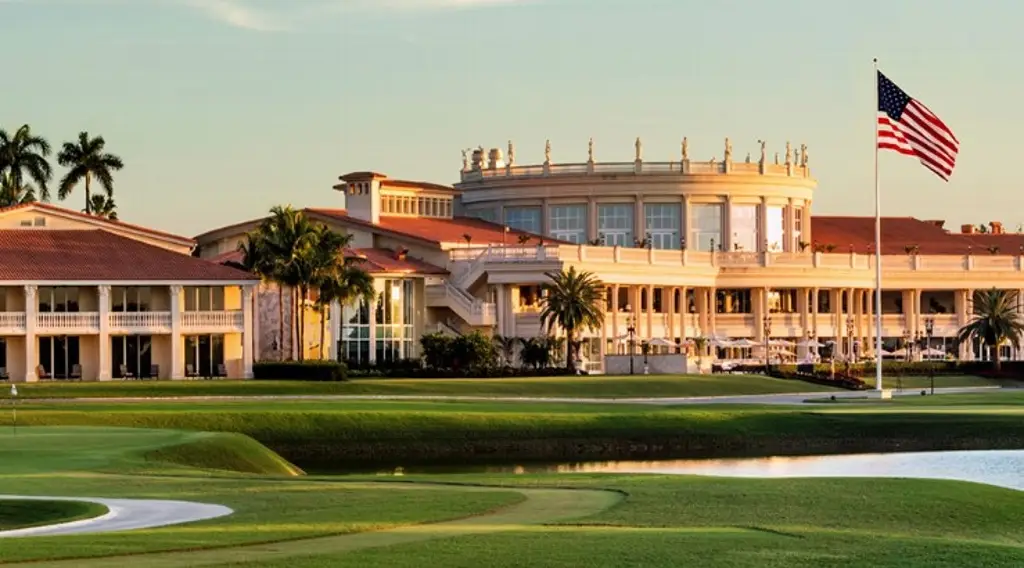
{"type": "Point", "coordinates": [767, 328]}
{"type": "Point", "coordinates": [906, 344]}
{"type": "Point", "coordinates": [631, 330]}
{"type": "Point", "coordinates": [929, 329]}
{"type": "Point", "coordinates": [849, 338]}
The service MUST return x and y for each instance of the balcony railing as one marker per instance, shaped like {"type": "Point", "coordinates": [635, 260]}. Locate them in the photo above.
{"type": "Point", "coordinates": [139, 321]}
{"type": "Point", "coordinates": [12, 322]}
{"type": "Point", "coordinates": [216, 320]}
{"type": "Point", "coordinates": [69, 322]}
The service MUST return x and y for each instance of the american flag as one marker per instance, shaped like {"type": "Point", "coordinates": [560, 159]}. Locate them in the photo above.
{"type": "Point", "coordinates": [908, 127]}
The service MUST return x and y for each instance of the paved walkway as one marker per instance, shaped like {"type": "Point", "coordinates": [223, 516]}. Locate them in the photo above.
{"type": "Point", "coordinates": [122, 515]}
{"type": "Point", "coordinates": [782, 398]}
{"type": "Point", "coordinates": [540, 506]}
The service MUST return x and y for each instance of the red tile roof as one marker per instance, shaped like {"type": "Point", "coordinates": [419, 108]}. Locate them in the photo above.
{"type": "Point", "coordinates": [900, 232]}
{"type": "Point", "coordinates": [113, 223]}
{"type": "Point", "coordinates": [373, 260]}
{"type": "Point", "coordinates": [437, 231]}
{"type": "Point", "coordinates": [98, 255]}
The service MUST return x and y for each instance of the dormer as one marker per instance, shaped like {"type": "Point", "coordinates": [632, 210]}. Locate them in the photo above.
{"type": "Point", "coordinates": [370, 195]}
{"type": "Point", "coordinates": [362, 194]}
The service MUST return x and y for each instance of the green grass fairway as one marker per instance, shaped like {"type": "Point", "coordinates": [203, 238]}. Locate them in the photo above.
{"type": "Point", "coordinates": [545, 521]}
{"type": "Point", "coordinates": [638, 386]}
{"type": "Point", "coordinates": [24, 513]}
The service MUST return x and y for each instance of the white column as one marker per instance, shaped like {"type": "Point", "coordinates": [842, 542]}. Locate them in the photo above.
{"type": "Point", "coordinates": [335, 329]}
{"type": "Point", "coordinates": [103, 373]}
{"type": "Point", "coordinates": [372, 359]}
{"type": "Point", "coordinates": [177, 341]}
{"type": "Point", "coordinates": [31, 342]}
{"type": "Point", "coordinates": [247, 332]}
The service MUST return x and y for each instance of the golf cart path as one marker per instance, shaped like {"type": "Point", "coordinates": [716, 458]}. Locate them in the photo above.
{"type": "Point", "coordinates": [779, 398]}
{"type": "Point", "coordinates": [539, 507]}
{"type": "Point", "coordinates": [121, 515]}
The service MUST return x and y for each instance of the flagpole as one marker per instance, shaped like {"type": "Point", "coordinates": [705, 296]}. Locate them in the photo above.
{"type": "Point", "coordinates": [878, 252]}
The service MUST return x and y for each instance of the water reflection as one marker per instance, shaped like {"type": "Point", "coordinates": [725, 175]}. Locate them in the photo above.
{"type": "Point", "coordinates": [1004, 468]}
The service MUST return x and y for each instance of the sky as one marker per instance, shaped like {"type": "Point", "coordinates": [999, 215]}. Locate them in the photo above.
{"type": "Point", "coordinates": [224, 108]}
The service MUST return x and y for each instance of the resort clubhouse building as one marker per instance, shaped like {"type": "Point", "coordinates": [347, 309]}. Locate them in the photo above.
{"type": "Point", "coordinates": [725, 250]}
{"type": "Point", "coordinates": [722, 249]}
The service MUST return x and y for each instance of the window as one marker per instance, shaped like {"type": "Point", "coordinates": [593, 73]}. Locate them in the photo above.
{"type": "Point", "coordinates": [615, 224]}
{"type": "Point", "coordinates": [782, 301]}
{"type": "Point", "coordinates": [743, 222]}
{"type": "Point", "coordinates": [798, 227]}
{"type": "Point", "coordinates": [39, 222]}
{"type": "Point", "coordinates": [395, 317]}
{"type": "Point", "coordinates": [733, 302]}
{"type": "Point", "coordinates": [568, 223]}
{"type": "Point", "coordinates": [706, 226]}
{"type": "Point", "coordinates": [204, 298]}
{"type": "Point", "coordinates": [59, 355]}
{"type": "Point", "coordinates": [135, 352]}
{"type": "Point", "coordinates": [130, 298]}
{"type": "Point", "coordinates": [204, 354]}
{"type": "Point", "coordinates": [58, 299]}
{"type": "Point", "coordinates": [523, 218]}
{"type": "Point", "coordinates": [355, 333]}
{"type": "Point", "coordinates": [776, 228]}
{"type": "Point", "coordinates": [663, 224]}
{"type": "Point", "coordinates": [485, 214]}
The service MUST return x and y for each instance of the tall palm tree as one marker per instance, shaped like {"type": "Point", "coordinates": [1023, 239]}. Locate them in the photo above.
{"type": "Point", "coordinates": [23, 157]}
{"type": "Point", "coordinates": [12, 194]}
{"type": "Point", "coordinates": [256, 260]}
{"type": "Point", "coordinates": [287, 235]}
{"type": "Point", "coordinates": [102, 206]}
{"type": "Point", "coordinates": [87, 160]}
{"type": "Point", "coordinates": [346, 286]}
{"type": "Point", "coordinates": [994, 321]}
{"type": "Point", "coordinates": [574, 301]}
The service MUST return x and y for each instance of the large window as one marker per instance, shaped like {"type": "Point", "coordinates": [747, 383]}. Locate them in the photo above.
{"type": "Point", "coordinates": [743, 222]}
{"type": "Point", "coordinates": [523, 218]}
{"type": "Point", "coordinates": [568, 223]}
{"type": "Point", "coordinates": [782, 301]}
{"type": "Point", "coordinates": [489, 214]}
{"type": "Point", "coordinates": [59, 355]}
{"type": "Point", "coordinates": [663, 224]}
{"type": "Point", "coordinates": [615, 224]}
{"type": "Point", "coordinates": [130, 298]}
{"type": "Point", "coordinates": [733, 302]}
{"type": "Point", "coordinates": [798, 227]}
{"type": "Point", "coordinates": [355, 333]}
{"type": "Point", "coordinates": [776, 228]}
{"type": "Point", "coordinates": [135, 352]}
{"type": "Point", "coordinates": [204, 354]}
{"type": "Point", "coordinates": [396, 309]}
{"type": "Point", "coordinates": [58, 299]}
{"type": "Point", "coordinates": [204, 298]}
{"type": "Point", "coordinates": [706, 226]}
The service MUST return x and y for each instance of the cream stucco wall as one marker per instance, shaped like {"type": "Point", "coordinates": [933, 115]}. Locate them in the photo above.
{"type": "Point", "coordinates": [89, 356]}
{"type": "Point", "coordinates": [160, 353]}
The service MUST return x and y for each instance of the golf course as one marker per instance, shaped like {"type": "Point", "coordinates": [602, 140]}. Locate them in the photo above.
{"type": "Point", "coordinates": [298, 476]}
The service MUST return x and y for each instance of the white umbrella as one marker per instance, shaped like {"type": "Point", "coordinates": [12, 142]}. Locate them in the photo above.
{"type": "Point", "coordinates": [810, 343]}
{"type": "Point", "coordinates": [932, 352]}
{"type": "Point", "coordinates": [662, 342]}
{"type": "Point", "coordinates": [744, 342]}
{"type": "Point", "coordinates": [721, 343]}
{"type": "Point", "coordinates": [901, 352]}
{"type": "Point", "coordinates": [780, 343]}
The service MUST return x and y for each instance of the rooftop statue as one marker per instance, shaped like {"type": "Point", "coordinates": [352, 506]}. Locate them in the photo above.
{"type": "Point", "coordinates": [803, 154]}
{"type": "Point", "coordinates": [465, 160]}
{"type": "Point", "coordinates": [789, 153]}
{"type": "Point", "coordinates": [639, 149]}
{"type": "Point", "coordinates": [590, 150]}
{"type": "Point", "coordinates": [764, 151]}
{"type": "Point", "coordinates": [728, 150]}
{"type": "Point", "coordinates": [511, 153]}
{"type": "Point", "coordinates": [686, 149]}
{"type": "Point", "coordinates": [547, 152]}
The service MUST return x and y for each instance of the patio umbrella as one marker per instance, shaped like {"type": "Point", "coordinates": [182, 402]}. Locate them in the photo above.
{"type": "Point", "coordinates": [662, 342]}
{"type": "Point", "coordinates": [780, 343]}
{"type": "Point", "coordinates": [745, 343]}
{"type": "Point", "coordinates": [810, 343]}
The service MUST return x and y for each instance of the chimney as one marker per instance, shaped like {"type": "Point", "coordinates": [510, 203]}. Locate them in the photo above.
{"type": "Point", "coordinates": [997, 228]}
{"type": "Point", "coordinates": [937, 222]}
{"type": "Point", "coordinates": [362, 195]}
{"type": "Point", "coordinates": [967, 229]}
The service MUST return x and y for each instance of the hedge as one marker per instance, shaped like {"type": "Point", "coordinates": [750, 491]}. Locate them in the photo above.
{"type": "Point", "coordinates": [300, 371]}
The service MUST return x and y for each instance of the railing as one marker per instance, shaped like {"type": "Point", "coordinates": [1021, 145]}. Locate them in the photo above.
{"type": "Point", "coordinates": [12, 320]}
{"type": "Point", "coordinates": [849, 261]}
{"type": "Point", "coordinates": [68, 321]}
{"type": "Point", "coordinates": [684, 167]}
{"type": "Point", "coordinates": [214, 319]}
{"type": "Point", "coordinates": [463, 302]}
{"type": "Point", "coordinates": [139, 320]}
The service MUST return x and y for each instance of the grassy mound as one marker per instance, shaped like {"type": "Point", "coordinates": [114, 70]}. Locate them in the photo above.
{"type": "Point", "coordinates": [224, 452]}
{"type": "Point", "coordinates": [21, 514]}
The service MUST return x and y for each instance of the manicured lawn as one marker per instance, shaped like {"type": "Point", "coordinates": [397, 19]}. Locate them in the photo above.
{"type": "Point", "coordinates": [19, 514]}
{"type": "Point", "coordinates": [546, 521]}
{"type": "Point", "coordinates": [578, 387]}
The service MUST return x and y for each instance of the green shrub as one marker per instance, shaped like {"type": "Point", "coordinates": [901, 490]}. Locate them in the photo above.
{"type": "Point", "coordinates": [300, 371]}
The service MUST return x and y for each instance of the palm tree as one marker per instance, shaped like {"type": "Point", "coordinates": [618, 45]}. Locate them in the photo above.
{"type": "Point", "coordinates": [23, 156]}
{"type": "Point", "coordinates": [287, 235]}
{"type": "Point", "coordinates": [347, 285]}
{"type": "Point", "coordinates": [102, 206]}
{"type": "Point", "coordinates": [574, 301]}
{"type": "Point", "coordinates": [86, 161]}
{"type": "Point", "coordinates": [507, 347]}
{"type": "Point", "coordinates": [256, 260]}
{"type": "Point", "coordinates": [994, 321]}
{"type": "Point", "coordinates": [12, 194]}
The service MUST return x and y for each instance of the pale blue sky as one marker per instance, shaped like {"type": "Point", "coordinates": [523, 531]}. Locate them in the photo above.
{"type": "Point", "coordinates": [222, 108]}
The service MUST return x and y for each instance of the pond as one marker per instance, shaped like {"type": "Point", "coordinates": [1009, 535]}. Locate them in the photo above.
{"type": "Point", "coordinates": [1003, 468]}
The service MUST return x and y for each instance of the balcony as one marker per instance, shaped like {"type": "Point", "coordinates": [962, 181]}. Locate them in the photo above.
{"type": "Point", "coordinates": [68, 322]}
{"type": "Point", "coordinates": [212, 322]}
{"type": "Point", "coordinates": [139, 322]}
{"type": "Point", "coordinates": [12, 323]}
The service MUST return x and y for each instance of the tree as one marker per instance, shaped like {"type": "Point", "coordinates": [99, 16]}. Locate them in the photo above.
{"type": "Point", "coordinates": [102, 206]}
{"type": "Point", "coordinates": [506, 346]}
{"type": "Point", "coordinates": [574, 301]}
{"type": "Point", "coordinates": [335, 276]}
{"type": "Point", "coordinates": [86, 160]}
{"type": "Point", "coordinates": [23, 157]}
{"type": "Point", "coordinates": [994, 321]}
{"type": "Point", "coordinates": [12, 194]}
